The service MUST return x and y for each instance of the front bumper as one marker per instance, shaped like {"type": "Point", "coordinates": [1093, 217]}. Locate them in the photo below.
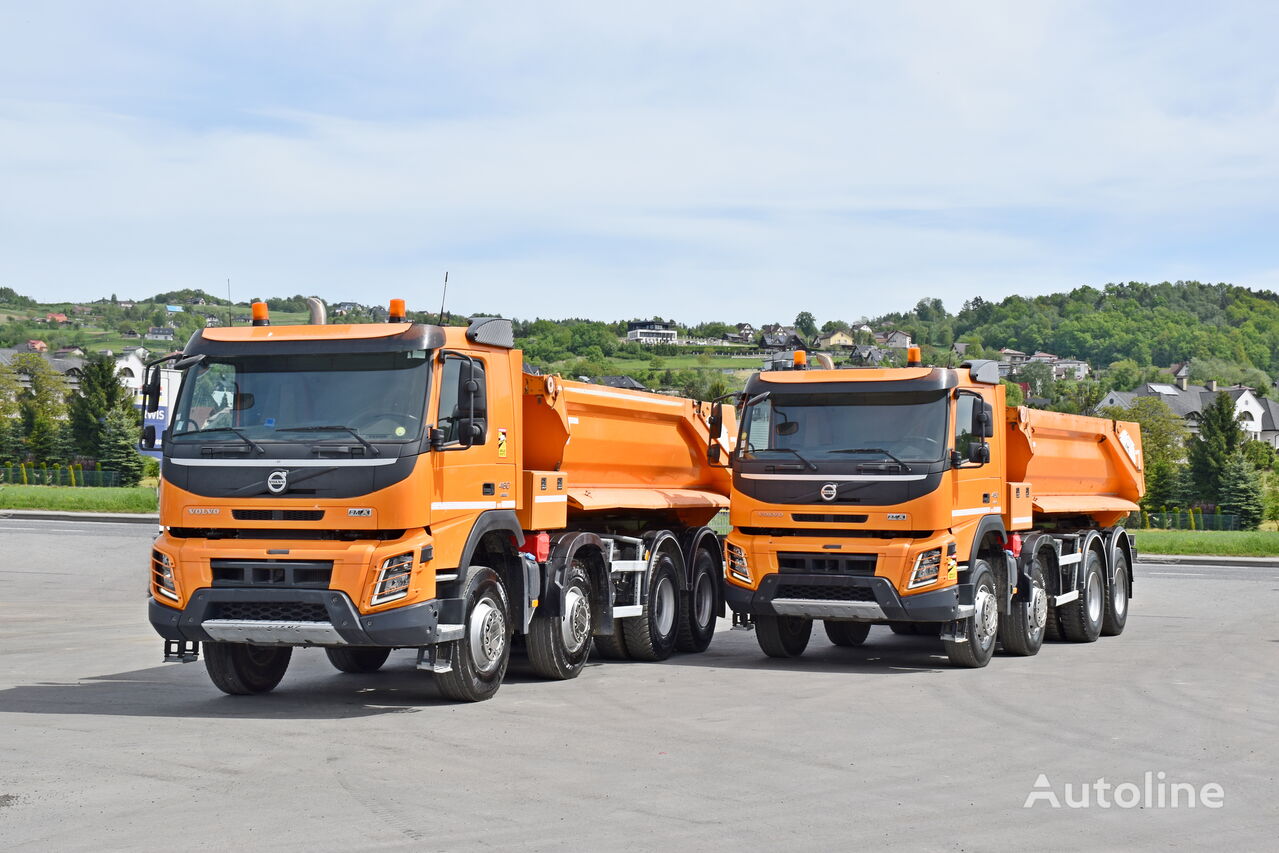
{"type": "Point", "coordinates": [848, 598]}
{"type": "Point", "coordinates": [304, 617]}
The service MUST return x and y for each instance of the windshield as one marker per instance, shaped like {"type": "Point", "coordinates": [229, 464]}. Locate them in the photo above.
{"type": "Point", "coordinates": [892, 427]}
{"type": "Point", "coordinates": [304, 398]}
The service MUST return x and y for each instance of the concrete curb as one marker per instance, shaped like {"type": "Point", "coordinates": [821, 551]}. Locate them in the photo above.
{"type": "Point", "coordinates": [1207, 560]}
{"type": "Point", "coordinates": [58, 515]}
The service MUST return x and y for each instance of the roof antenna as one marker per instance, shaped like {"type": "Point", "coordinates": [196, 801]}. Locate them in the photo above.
{"type": "Point", "coordinates": [444, 296]}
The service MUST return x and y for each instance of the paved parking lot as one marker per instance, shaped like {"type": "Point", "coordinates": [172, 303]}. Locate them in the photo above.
{"type": "Point", "coordinates": [104, 747]}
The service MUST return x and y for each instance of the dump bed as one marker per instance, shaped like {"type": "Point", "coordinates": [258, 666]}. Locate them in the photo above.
{"type": "Point", "coordinates": [1076, 465]}
{"type": "Point", "coordinates": [623, 449]}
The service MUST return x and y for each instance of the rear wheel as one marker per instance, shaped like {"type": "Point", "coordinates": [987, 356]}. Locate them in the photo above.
{"type": "Point", "coordinates": [903, 628]}
{"type": "Point", "coordinates": [1081, 619]}
{"type": "Point", "coordinates": [783, 636]}
{"type": "Point", "coordinates": [1116, 610]}
{"type": "Point", "coordinates": [975, 641]}
{"type": "Point", "coordinates": [612, 646]}
{"type": "Point", "coordinates": [480, 658]}
{"type": "Point", "coordinates": [1022, 633]}
{"type": "Point", "coordinates": [698, 606]}
{"type": "Point", "coordinates": [241, 669]}
{"type": "Point", "coordinates": [357, 659]}
{"type": "Point", "coordinates": [559, 645]}
{"type": "Point", "coordinates": [651, 635]}
{"type": "Point", "coordinates": [846, 633]}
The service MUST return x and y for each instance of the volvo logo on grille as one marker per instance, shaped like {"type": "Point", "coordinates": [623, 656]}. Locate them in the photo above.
{"type": "Point", "coordinates": [277, 482]}
{"type": "Point", "coordinates": [829, 491]}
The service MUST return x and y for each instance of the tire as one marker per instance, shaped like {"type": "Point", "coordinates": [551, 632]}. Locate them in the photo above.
{"type": "Point", "coordinates": [358, 659]}
{"type": "Point", "coordinates": [612, 646]}
{"type": "Point", "coordinates": [904, 628]}
{"type": "Point", "coordinates": [558, 646]}
{"type": "Point", "coordinates": [980, 630]}
{"type": "Point", "coordinates": [1116, 609]}
{"type": "Point", "coordinates": [651, 635]}
{"type": "Point", "coordinates": [846, 633]}
{"type": "Point", "coordinates": [699, 606]}
{"type": "Point", "coordinates": [1081, 619]}
{"type": "Point", "coordinates": [242, 669]}
{"type": "Point", "coordinates": [783, 636]}
{"type": "Point", "coordinates": [1022, 632]}
{"type": "Point", "coordinates": [480, 658]}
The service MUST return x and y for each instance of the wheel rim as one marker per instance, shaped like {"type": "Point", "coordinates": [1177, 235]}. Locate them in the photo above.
{"type": "Point", "coordinates": [1119, 594]}
{"type": "Point", "coordinates": [703, 600]}
{"type": "Point", "coordinates": [260, 655]}
{"type": "Point", "coordinates": [1094, 597]}
{"type": "Point", "coordinates": [664, 606]}
{"type": "Point", "coordinates": [1037, 613]}
{"type": "Point", "coordinates": [575, 627]}
{"type": "Point", "coordinates": [986, 619]}
{"type": "Point", "coordinates": [487, 631]}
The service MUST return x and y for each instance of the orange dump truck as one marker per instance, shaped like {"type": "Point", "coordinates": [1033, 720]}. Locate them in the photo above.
{"type": "Point", "coordinates": [915, 497]}
{"type": "Point", "coordinates": [369, 487]}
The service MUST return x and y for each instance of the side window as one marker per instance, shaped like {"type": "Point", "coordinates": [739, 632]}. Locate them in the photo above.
{"type": "Point", "coordinates": [211, 398]}
{"type": "Point", "coordinates": [757, 426]}
{"type": "Point", "coordinates": [457, 403]}
{"type": "Point", "coordinates": [964, 437]}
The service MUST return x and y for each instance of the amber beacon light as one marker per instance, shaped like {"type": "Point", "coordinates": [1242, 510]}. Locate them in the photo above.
{"type": "Point", "coordinates": [396, 314]}
{"type": "Point", "coordinates": [261, 317]}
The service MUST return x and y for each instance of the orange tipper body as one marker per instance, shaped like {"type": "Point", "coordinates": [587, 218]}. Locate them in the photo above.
{"type": "Point", "coordinates": [916, 497]}
{"type": "Point", "coordinates": [344, 486]}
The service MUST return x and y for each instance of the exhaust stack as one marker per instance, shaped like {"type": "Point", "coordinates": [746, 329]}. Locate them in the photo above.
{"type": "Point", "coordinates": [318, 315]}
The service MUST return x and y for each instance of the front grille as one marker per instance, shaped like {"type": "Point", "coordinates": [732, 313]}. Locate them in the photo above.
{"type": "Point", "coordinates": [277, 514]}
{"type": "Point", "coordinates": [269, 611]}
{"type": "Point", "coordinates": [307, 574]}
{"type": "Point", "coordinates": [837, 533]}
{"type": "Point", "coordinates": [282, 534]}
{"type": "Point", "coordinates": [856, 565]}
{"type": "Point", "coordinates": [827, 518]}
{"type": "Point", "coordinates": [811, 592]}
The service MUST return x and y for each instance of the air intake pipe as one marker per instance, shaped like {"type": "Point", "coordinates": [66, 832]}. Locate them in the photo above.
{"type": "Point", "coordinates": [318, 315]}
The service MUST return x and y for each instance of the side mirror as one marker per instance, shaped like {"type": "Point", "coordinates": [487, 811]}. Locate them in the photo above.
{"type": "Point", "coordinates": [983, 420]}
{"type": "Point", "coordinates": [436, 437]}
{"type": "Point", "coordinates": [151, 391]}
{"type": "Point", "coordinates": [472, 431]}
{"type": "Point", "coordinates": [148, 437]}
{"type": "Point", "coordinates": [716, 422]}
{"type": "Point", "coordinates": [979, 453]}
{"type": "Point", "coordinates": [243, 401]}
{"type": "Point", "coordinates": [713, 453]}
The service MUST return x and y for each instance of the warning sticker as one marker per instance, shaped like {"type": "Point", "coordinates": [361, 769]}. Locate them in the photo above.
{"type": "Point", "coordinates": [501, 443]}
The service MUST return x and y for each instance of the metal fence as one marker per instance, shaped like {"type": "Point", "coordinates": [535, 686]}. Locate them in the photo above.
{"type": "Point", "coordinates": [1183, 520]}
{"type": "Point", "coordinates": [31, 475]}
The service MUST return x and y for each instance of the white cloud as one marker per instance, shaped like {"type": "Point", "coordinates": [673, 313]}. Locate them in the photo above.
{"type": "Point", "coordinates": [726, 161]}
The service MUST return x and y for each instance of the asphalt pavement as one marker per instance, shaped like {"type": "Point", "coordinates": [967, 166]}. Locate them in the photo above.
{"type": "Point", "coordinates": [102, 746]}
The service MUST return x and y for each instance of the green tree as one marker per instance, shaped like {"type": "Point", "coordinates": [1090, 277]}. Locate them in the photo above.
{"type": "Point", "coordinates": [46, 392]}
{"type": "Point", "coordinates": [1260, 454]}
{"type": "Point", "coordinates": [1013, 393]}
{"type": "Point", "coordinates": [119, 451]}
{"type": "Point", "coordinates": [806, 325]}
{"type": "Point", "coordinates": [1218, 440]}
{"type": "Point", "coordinates": [1038, 376]}
{"type": "Point", "coordinates": [1241, 493]}
{"type": "Point", "coordinates": [100, 392]}
{"type": "Point", "coordinates": [1163, 434]}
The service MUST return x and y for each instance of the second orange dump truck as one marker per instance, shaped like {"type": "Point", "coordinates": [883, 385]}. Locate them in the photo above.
{"type": "Point", "coordinates": [398, 485]}
{"type": "Point", "coordinates": [915, 497]}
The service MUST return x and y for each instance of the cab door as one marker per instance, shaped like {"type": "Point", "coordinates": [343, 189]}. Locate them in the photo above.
{"type": "Point", "coordinates": [977, 489]}
{"type": "Point", "coordinates": [474, 468]}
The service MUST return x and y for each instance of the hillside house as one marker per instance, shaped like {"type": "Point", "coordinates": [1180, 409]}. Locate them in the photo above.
{"type": "Point", "coordinates": [867, 355]}
{"type": "Point", "coordinates": [160, 333]}
{"type": "Point", "coordinates": [1258, 417]}
{"type": "Point", "coordinates": [1070, 368]}
{"type": "Point", "coordinates": [837, 339]}
{"type": "Point", "coordinates": [174, 309]}
{"type": "Point", "coordinates": [745, 334]}
{"type": "Point", "coordinates": [649, 332]}
{"type": "Point", "coordinates": [37, 346]}
{"type": "Point", "coordinates": [786, 340]}
{"type": "Point", "coordinates": [895, 339]}
{"type": "Point", "coordinates": [131, 334]}
{"type": "Point", "coordinates": [58, 319]}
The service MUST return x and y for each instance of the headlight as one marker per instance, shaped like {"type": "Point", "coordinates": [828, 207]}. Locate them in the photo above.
{"type": "Point", "coordinates": [393, 579]}
{"type": "Point", "coordinates": [927, 569]}
{"type": "Point", "coordinates": [737, 566]}
{"type": "Point", "coordinates": [162, 579]}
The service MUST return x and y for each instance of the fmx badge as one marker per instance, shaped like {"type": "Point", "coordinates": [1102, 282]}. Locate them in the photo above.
{"type": "Point", "coordinates": [501, 444]}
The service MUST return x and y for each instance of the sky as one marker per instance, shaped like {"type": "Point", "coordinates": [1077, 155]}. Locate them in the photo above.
{"type": "Point", "coordinates": [739, 161]}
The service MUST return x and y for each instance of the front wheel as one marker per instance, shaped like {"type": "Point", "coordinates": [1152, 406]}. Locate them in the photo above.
{"type": "Point", "coordinates": [846, 633]}
{"type": "Point", "coordinates": [358, 659]}
{"type": "Point", "coordinates": [783, 636]}
{"type": "Point", "coordinates": [1022, 633]}
{"type": "Point", "coordinates": [697, 607]}
{"type": "Point", "coordinates": [559, 645]}
{"type": "Point", "coordinates": [241, 669]}
{"type": "Point", "coordinates": [974, 643]}
{"type": "Point", "coordinates": [480, 658]}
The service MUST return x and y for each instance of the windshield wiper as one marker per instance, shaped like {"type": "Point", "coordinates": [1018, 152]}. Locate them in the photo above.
{"type": "Point", "coordinates": [361, 439]}
{"type": "Point", "coordinates": [810, 465]}
{"type": "Point", "coordinates": [874, 450]}
{"type": "Point", "coordinates": [250, 442]}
